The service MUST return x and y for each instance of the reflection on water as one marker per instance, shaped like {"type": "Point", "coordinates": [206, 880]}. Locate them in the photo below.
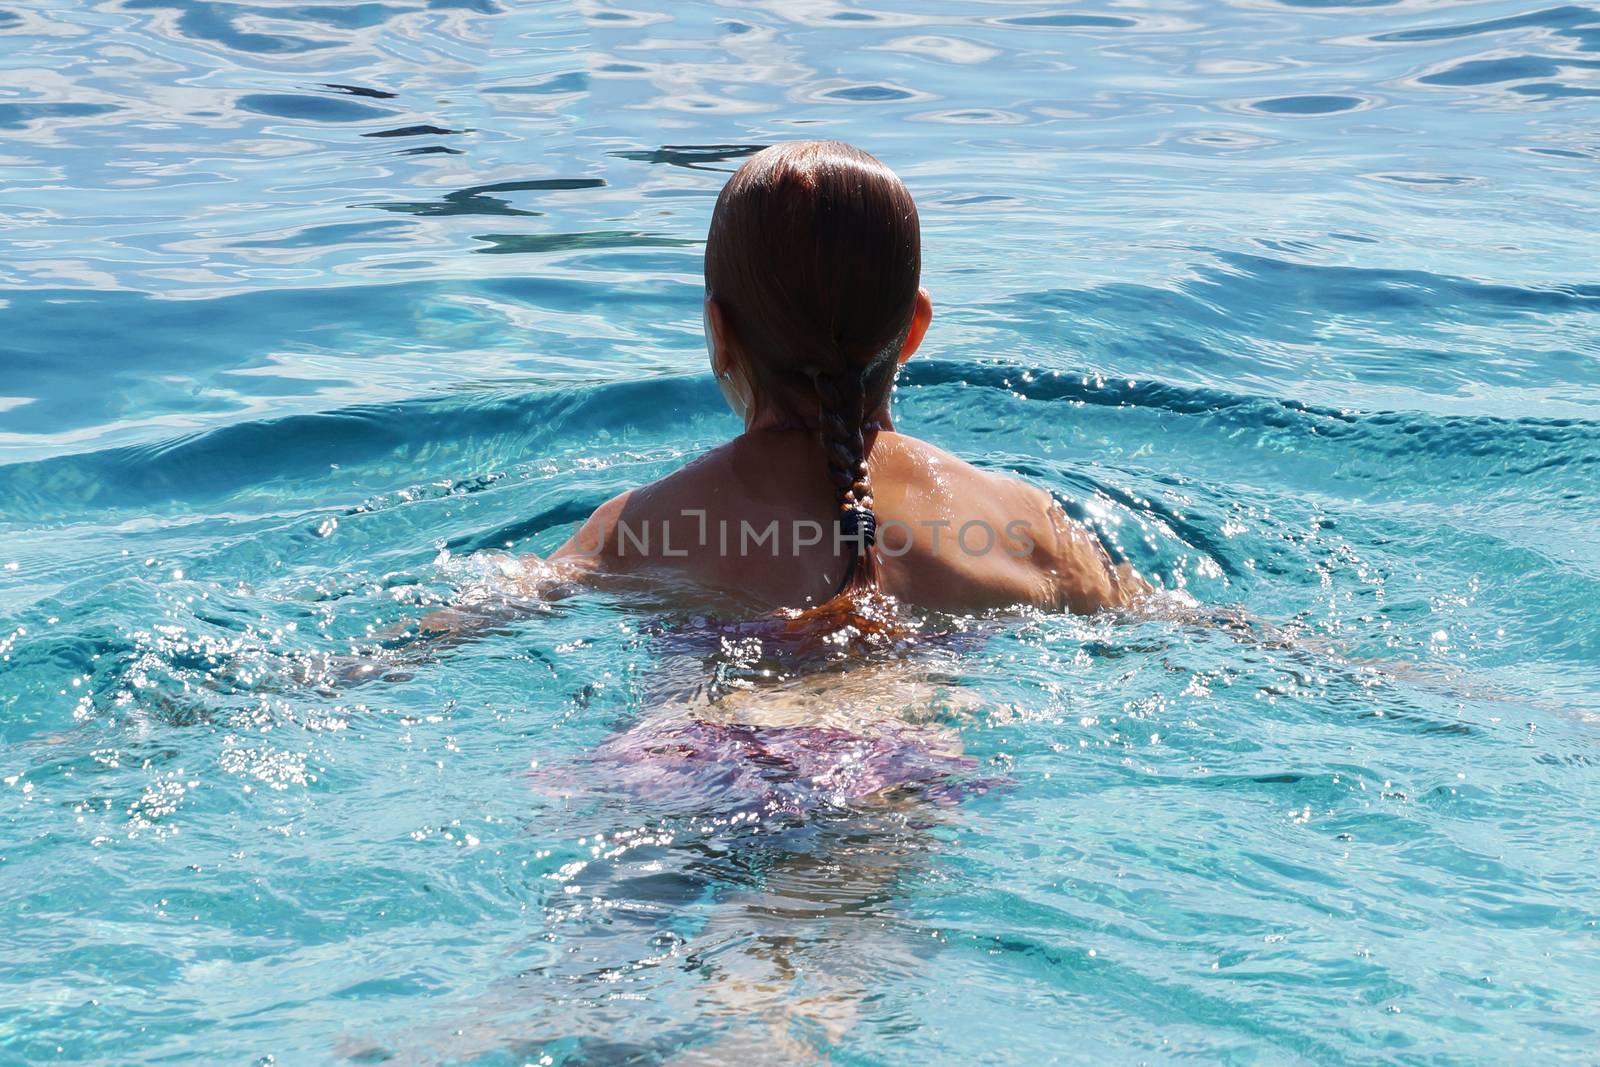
{"type": "Point", "coordinates": [309, 309]}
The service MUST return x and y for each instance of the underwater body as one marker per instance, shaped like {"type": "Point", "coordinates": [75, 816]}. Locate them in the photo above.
{"type": "Point", "coordinates": [310, 314]}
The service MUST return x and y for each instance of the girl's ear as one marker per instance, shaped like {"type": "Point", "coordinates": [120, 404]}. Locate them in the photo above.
{"type": "Point", "coordinates": [731, 378]}
{"type": "Point", "coordinates": [920, 317]}
{"type": "Point", "coordinates": [717, 338]}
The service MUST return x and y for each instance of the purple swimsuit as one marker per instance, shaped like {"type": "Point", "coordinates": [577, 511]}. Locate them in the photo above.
{"type": "Point", "coordinates": [699, 766]}
{"type": "Point", "coordinates": [688, 765]}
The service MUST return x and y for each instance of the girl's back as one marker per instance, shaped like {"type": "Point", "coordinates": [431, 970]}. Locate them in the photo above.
{"type": "Point", "coordinates": [752, 519]}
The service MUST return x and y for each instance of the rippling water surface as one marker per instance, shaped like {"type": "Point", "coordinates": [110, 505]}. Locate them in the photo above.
{"type": "Point", "coordinates": [306, 308]}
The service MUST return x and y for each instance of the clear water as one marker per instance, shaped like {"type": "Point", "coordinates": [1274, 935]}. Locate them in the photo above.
{"type": "Point", "coordinates": [305, 304]}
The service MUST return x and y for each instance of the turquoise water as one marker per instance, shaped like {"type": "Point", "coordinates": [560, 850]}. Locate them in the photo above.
{"type": "Point", "coordinates": [307, 308]}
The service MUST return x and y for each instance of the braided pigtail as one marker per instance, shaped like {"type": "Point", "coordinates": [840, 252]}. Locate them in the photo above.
{"type": "Point", "coordinates": [812, 262]}
{"type": "Point", "coordinates": [841, 401]}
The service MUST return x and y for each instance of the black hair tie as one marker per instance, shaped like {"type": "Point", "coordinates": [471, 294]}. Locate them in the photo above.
{"type": "Point", "coordinates": [859, 524]}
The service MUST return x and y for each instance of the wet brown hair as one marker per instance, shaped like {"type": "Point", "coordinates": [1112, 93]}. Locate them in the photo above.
{"type": "Point", "coordinates": [814, 258]}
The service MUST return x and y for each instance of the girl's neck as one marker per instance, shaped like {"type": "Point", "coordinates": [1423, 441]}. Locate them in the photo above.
{"type": "Point", "coordinates": [782, 421]}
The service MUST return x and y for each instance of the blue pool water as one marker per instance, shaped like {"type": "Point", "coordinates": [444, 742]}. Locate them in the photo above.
{"type": "Point", "coordinates": [307, 308]}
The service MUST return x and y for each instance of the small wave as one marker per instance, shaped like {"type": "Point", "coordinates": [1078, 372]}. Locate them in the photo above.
{"type": "Point", "coordinates": [482, 199]}
{"type": "Point", "coordinates": [1310, 104]}
{"type": "Point", "coordinates": [1070, 20]}
{"type": "Point", "coordinates": [311, 108]}
{"type": "Point", "coordinates": [1513, 446]}
{"type": "Point", "coordinates": [692, 157]}
{"type": "Point", "coordinates": [1569, 20]}
{"type": "Point", "coordinates": [299, 448]}
{"type": "Point", "coordinates": [17, 116]}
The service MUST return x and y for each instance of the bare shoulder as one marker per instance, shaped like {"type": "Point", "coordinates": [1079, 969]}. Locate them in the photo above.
{"type": "Point", "coordinates": [588, 545]}
{"type": "Point", "coordinates": [948, 482]}
{"type": "Point", "coordinates": [598, 542]}
{"type": "Point", "coordinates": [1067, 562]}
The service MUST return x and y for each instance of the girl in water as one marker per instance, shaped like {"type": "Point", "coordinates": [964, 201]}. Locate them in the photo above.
{"type": "Point", "coordinates": [813, 302]}
{"type": "Point", "coordinates": [815, 522]}
{"type": "Point", "coordinates": [819, 519]}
